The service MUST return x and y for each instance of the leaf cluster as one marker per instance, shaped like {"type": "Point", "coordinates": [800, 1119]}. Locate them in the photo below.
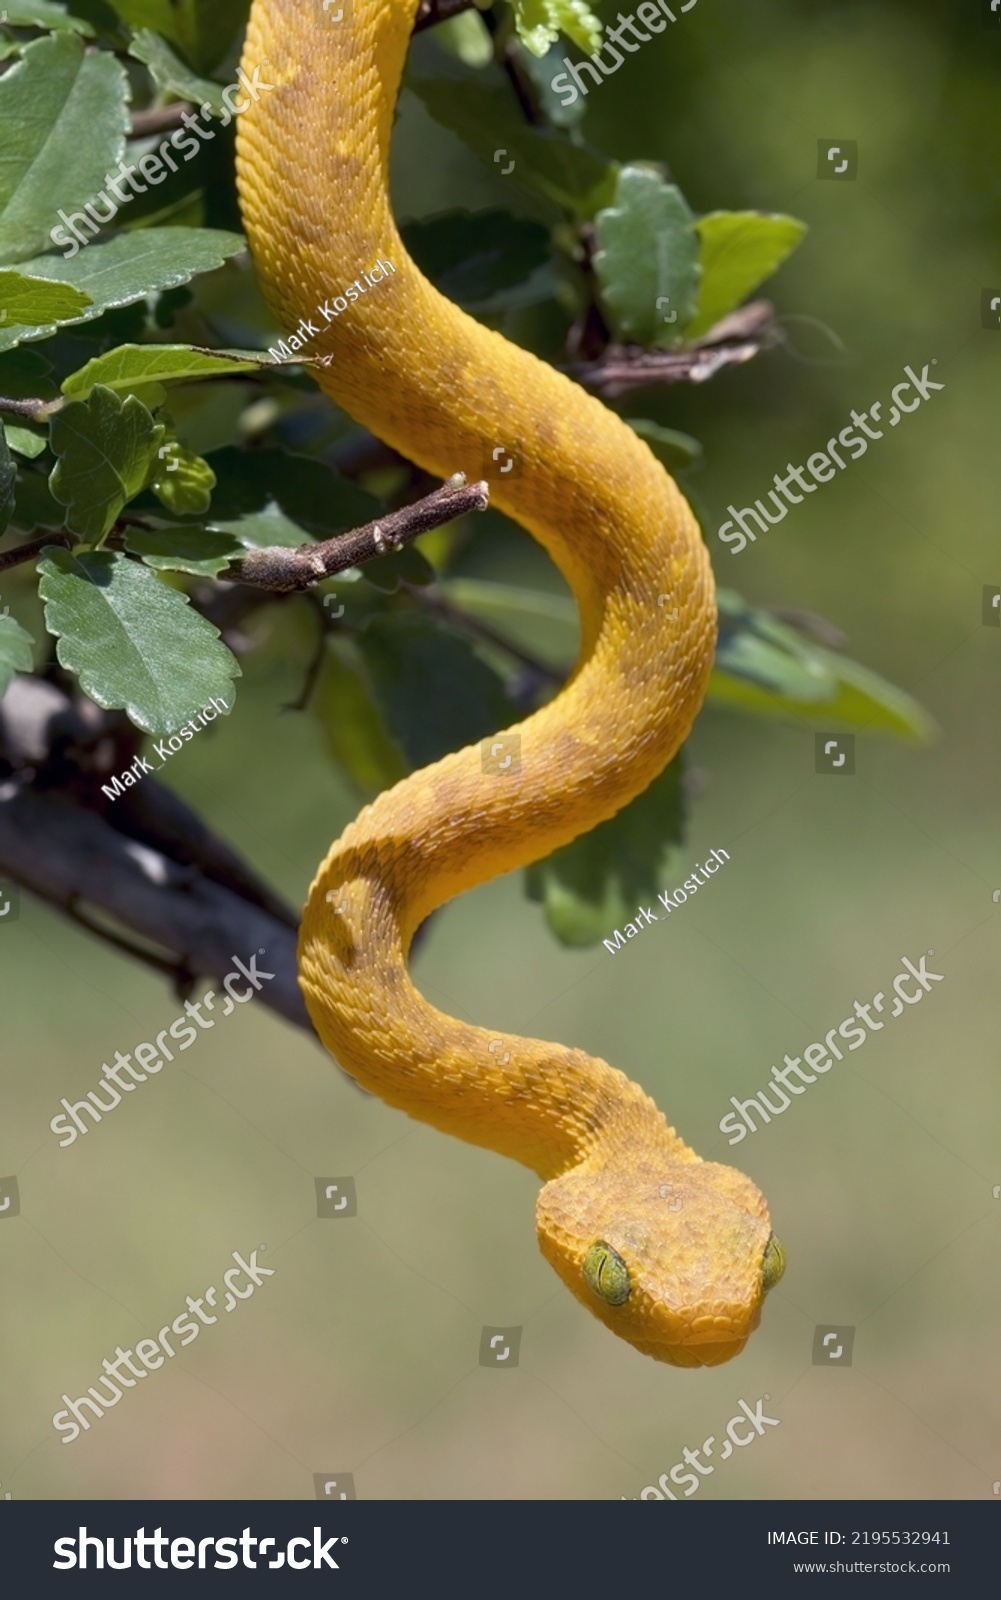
{"type": "Point", "coordinates": [150, 434]}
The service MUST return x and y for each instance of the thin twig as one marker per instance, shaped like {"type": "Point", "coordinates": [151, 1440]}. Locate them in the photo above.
{"type": "Point", "coordinates": [432, 12]}
{"type": "Point", "coordinates": [315, 665]}
{"type": "Point", "coordinates": [158, 119]}
{"type": "Point", "coordinates": [286, 571]}
{"type": "Point", "coordinates": [34, 547]}
{"type": "Point", "coordinates": [622, 368]}
{"type": "Point", "coordinates": [184, 979]}
{"type": "Point", "coordinates": [34, 410]}
{"type": "Point", "coordinates": [450, 612]}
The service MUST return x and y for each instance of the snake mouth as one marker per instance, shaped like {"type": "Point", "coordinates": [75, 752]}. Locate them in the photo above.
{"type": "Point", "coordinates": [711, 1353]}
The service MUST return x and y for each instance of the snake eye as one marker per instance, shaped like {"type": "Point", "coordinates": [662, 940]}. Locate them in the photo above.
{"type": "Point", "coordinates": [773, 1265]}
{"type": "Point", "coordinates": [607, 1273]}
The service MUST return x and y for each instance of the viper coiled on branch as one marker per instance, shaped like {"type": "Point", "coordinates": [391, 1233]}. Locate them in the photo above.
{"type": "Point", "coordinates": [682, 1282]}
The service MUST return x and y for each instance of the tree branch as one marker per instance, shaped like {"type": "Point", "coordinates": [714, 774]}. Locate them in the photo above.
{"type": "Point", "coordinates": [34, 547]}
{"type": "Point", "coordinates": [285, 571]}
{"type": "Point", "coordinates": [145, 864]}
{"type": "Point", "coordinates": [35, 410]}
{"type": "Point", "coordinates": [158, 119]}
{"type": "Point", "coordinates": [67, 854]}
{"type": "Point", "coordinates": [622, 368]}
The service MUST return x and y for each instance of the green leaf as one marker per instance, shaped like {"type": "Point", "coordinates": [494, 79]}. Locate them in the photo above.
{"type": "Point", "coordinates": [135, 643]}
{"type": "Point", "coordinates": [184, 549]}
{"type": "Point", "coordinates": [474, 258]}
{"type": "Point", "coordinates": [170, 74]}
{"type": "Point", "coordinates": [594, 885]}
{"type": "Point", "coordinates": [540, 74]}
{"type": "Point", "coordinates": [647, 261]}
{"type": "Point", "coordinates": [406, 565]}
{"type": "Point", "coordinates": [8, 478]}
{"type": "Point", "coordinates": [182, 481]}
{"type": "Point", "coordinates": [43, 14]}
{"type": "Point", "coordinates": [739, 250]}
{"type": "Point", "coordinates": [434, 692]}
{"type": "Point", "coordinates": [766, 667]}
{"type": "Point", "coordinates": [129, 268]}
{"type": "Point", "coordinates": [15, 651]}
{"type": "Point", "coordinates": [572, 177]}
{"type": "Point", "coordinates": [545, 624]}
{"type": "Point", "coordinates": [132, 365]}
{"type": "Point", "coordinates": [35, 507]}
{"type": "Point", "coordinates": [673, 450]}
{"type": "Point", "coordinates": [65, 117]}
{"type": "Point", "coordinates": [25, 442]}
{"type": "Point", "coordinates": [203, 29]}
{"type": "Point", "coordinates": [270, 496]}
{"type": "Point", "coordinates": [105, 446]}
{"type": "Point", "coordinates": [540, 23]}
{"type": "Point", "coordinates": [26, 375]}
{"type": "Point", "coordinates": [353, 725]}
{"type": "Point", "coordinates": [24, 302]}
{"type": "Point", "coordinates": [256, 530]}
{"type": "Point", "coordinates": [465, 36]}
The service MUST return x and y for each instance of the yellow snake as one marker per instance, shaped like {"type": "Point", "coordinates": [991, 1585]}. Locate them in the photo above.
{"type": "Point", "coordinates": [681, 1282]}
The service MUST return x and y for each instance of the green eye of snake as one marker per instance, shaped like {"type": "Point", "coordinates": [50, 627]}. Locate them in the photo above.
{"type": "Point", "coordinates": [607, 1273]}
{"type": "Point", "coordinates": [773, 1265]}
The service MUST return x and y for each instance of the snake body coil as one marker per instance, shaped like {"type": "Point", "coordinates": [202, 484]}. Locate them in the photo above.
{"type": "Point", "coordinates": [682, 1282]}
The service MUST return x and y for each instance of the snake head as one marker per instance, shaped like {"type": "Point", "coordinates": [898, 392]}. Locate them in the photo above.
{"type": "Point", "coordinates": [674, 1256]}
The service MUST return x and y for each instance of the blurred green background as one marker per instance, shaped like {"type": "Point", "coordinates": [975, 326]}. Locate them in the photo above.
{"type": "Point", "coordinates": [360, 1354]}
